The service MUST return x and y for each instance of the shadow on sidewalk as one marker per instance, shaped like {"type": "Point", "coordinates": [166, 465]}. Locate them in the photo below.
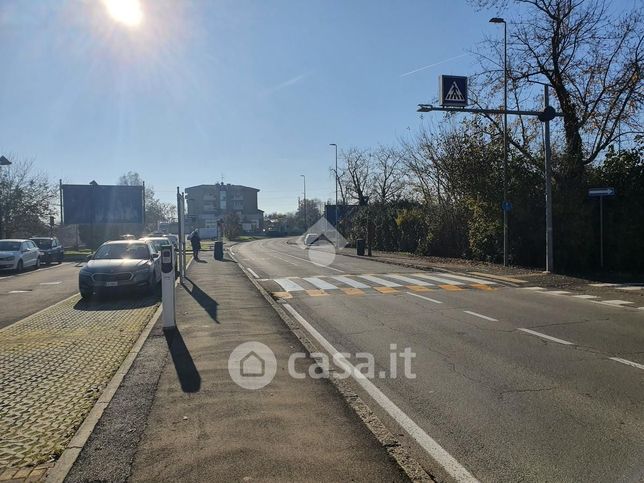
{"type": "Point", "coordinates": [202, 298]}
{"type": "Point", "coordinates": [183, 364]}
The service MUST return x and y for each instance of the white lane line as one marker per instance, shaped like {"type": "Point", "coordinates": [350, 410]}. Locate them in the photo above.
{"type": "Point", "coordinates": [436, 451]}
{"type": "Point", "coordinates": [252, 272]}
{"type": "Point", "coordinates": [603, 284]}
{"type": "Point", "coordinates": [627, 362]}
{"type": "Point", "coordinates": [617, 303]}
{"type": "Point", "coordinates": [50, 283]}
{"type": "Point", "coordinates": [586, 297]}
{"type": "Point", "coordinates": [349, 281]}
{"type": "Point", "coordinates": [544, 336]}
{"type": "Point", "coordinates": [533, 288]}
{"type": "Point", "coordinates": [425, 298]}
{"type": "Point", "coordinates": [379, 281]}
{"type": "Point", "coordinates": [319, 283]}
{"type": "Point", "coordinates": [475, 314]}
{"type": "Point", "coordinates": [309, 261]}
{"type": "Point", "coordinates": [409, 280]}
{"type": "Point", "coordinates": [480, 281]}
{"type": "Point", "coordinates": [285, 260]}
{"type": "Point", "coordinates": [631, 287]}
{"type": "Point", "coordinates": [444, 281]}
{"type": "Point", "coordinates": [20, 291]}
{"type": "Point", "coordinates": [556, 292]}
{"type": "Point", "coordinates": [288, 285]}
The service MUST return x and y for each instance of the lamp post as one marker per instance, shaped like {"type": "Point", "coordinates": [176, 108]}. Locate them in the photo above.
{"type": "Point", "coordinates": [306, 223]}
{"type": "Point", "coordinates": [498, 20]}
{"type": "Point", "coordinates": [3, 162]}
{"type": "Point", "coordinates": [335, 222]}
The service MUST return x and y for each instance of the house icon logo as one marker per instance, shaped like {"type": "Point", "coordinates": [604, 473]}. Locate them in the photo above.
{"type": "Point", "coordinates": [252, 365]}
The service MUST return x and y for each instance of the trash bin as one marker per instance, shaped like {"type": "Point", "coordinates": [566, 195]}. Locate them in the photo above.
{"type": "Point", "coordinates": [219, 250]}
{"type": "Point", "coordinates": [360, 246]}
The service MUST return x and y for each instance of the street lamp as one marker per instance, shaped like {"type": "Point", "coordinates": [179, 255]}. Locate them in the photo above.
{"type": "Point", "coordinates": [306, 224]}
{"type": "Point", "coordinates": [498, 20]}
{"type": "Point", "coordinates": [335, 222]}
{"type": "Point", "coordinates": [3, 162]}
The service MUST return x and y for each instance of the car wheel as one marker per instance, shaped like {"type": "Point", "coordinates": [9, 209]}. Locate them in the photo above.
{"type": "Point", "coordinates": [37, 265]}
{"type": "Point", "coordinates": [86, 294]}
{"type": "Point", "coordinates": [19, 266]}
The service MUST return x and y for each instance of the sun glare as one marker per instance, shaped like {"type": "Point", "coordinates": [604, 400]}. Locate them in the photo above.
{"type": "Point", "coordinates": [127, 12]}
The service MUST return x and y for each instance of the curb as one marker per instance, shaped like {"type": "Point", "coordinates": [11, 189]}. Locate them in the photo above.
{"type": "Point", "coordinates": [59, 471]}
{"type": "Point", "coordinates": [401, 456]}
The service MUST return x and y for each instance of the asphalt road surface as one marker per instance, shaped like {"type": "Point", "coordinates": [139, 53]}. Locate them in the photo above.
{"type": "Point", "coordinates": [26, 293]}
{"type": "Point", "coordinates": [511, 384]}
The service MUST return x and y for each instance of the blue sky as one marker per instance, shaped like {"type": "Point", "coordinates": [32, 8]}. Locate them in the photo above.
{"type": "Point", "coordinates": [251, 90]}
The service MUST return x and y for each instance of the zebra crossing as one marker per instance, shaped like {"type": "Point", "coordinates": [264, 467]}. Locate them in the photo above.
{"type": "Point", "coordinates": [386, 283]}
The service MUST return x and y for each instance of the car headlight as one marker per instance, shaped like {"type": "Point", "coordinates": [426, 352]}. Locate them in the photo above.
{"type": "Point", "coordinates": [8, 259]}
{"type": "Point", "coordinates": [85, 273]}
{"type": "Point", "coordinates": [142, 271]}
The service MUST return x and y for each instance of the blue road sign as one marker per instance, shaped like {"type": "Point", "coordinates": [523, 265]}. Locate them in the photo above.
{"type": "Point", "coordinates": [599, 192]}
{"type": "Point", "coordinates": [452, 90]}
{"type": "Point", "coordinates": [506, 206]}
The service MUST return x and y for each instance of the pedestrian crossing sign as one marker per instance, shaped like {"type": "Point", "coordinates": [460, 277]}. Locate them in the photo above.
{"type": "Point", "coordinates": [452, 90]}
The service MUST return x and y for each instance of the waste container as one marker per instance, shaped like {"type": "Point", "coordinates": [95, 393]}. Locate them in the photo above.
{"type": "Point", "coordinates": [219, 250]}
{"type": "Point", "coordinates": [360, 246]}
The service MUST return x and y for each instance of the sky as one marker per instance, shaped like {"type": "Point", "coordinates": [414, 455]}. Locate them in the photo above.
{"type": "Point", "coordinates": [251, 91]}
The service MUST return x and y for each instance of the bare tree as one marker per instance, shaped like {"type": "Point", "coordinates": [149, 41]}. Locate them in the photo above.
{"type": "Point", "coordinates": [355, 175]}
{"type": "Point", "coordinates": [593, 61]}
{"type": "Point", "coordinates": [388, 177]}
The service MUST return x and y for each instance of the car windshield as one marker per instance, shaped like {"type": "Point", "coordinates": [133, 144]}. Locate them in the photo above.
{"type": "Point", "coordinates": [42, 243]}
{"type": "Point", "coordinates": [158, 243]}
{"type": "Point", "coordinates": [114, 251]}
{"type": "Point", "coordinates": [9, 246]}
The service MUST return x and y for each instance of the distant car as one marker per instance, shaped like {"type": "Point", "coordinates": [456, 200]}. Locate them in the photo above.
{"type": "Point", "coordinates": [158, 241]}
{"type": "Point", "coordinates": [128, 237]}
{"type": "Point", "coordinates": [311, 238]}
{"type": "Point", "coordinates": [122, 264]}
{"type": "Point", "coordinates": [18, 254]}
{"type": "Point", "coordinates": [50, 249]}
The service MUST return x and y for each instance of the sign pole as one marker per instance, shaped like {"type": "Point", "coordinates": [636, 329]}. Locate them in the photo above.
{"type": "Point", "coordinates": [601, 232]}
{"type": "Point", "coordinates": [548, 172]}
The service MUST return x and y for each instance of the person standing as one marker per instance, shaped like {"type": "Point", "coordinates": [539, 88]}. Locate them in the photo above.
{"type": "Point", "coordinates": [195, 240]}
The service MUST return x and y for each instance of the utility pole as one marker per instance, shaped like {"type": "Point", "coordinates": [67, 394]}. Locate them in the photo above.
{"type": "Point", "coordinates": [3, 162]}
{"type": "Point", "coordinates": [306, 223]}
{"type": "Point", "coordinates": [335, 222]}
{"type": "Point", "coordinates": [548, 173]}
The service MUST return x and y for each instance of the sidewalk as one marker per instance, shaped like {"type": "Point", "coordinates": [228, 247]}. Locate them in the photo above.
{"type": "Point", "coordinates": [202, 426]}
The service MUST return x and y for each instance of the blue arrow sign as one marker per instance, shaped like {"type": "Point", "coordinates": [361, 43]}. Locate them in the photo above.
{"type": "Point", "coordinates": [452, 90]}
{"type": "Point", "coordinates": [597, 192]}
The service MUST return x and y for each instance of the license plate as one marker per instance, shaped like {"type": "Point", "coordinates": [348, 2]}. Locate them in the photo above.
{"type": "Point", "coordinates": [111, 284]}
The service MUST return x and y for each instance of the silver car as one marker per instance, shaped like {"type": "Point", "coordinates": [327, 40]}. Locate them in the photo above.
{"type": "Point", "coordinates": [19, 254]}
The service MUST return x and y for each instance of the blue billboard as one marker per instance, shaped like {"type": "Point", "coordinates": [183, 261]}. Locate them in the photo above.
{"type": "Point", "coordinates": [102, 204]}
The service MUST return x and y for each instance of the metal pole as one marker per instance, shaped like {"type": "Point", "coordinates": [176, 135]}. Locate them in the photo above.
{"type": "Point", "coordinates": [179, 235]}
{"type": "Point", "coordinates": [336, 186]}
{"type": "Point", "coordinates": [306, 224]}
{"type": "Point", "coordinates": [548, 174]}
{"type": "Point", "coordinates": [601, 232]}
{"type": "Point", "coordinates": [505, 144]}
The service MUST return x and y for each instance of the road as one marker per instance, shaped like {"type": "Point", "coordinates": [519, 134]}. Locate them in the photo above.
{"type": "Point", "coordinates": [512, 384]}
{"type": "Point", "coordinates": [26, 293]}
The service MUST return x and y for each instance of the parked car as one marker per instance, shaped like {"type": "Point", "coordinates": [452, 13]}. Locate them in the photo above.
{"type": "Point", "coordinates": [19, 254]}
{"type": "Point", "coordinates": [50, 249]}
{"type": "Point", "coordinates": [158, 241]}
{"type": "Point", "coordinates": [121, 264]}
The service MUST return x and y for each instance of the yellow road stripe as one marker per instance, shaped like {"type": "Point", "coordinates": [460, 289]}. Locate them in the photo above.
{"type": "Point", "coordinates": [316, 293]}
{"type": "Point", "coordinates": [282, 295]}
{"type": "Point", "coordinates": [480, 286]}
{"type": "Point", "coordinates": [418, 288]}
{"type": "Point", "coordinates": [386, 289]}
{"type": "Point", "coordinates": [352, 291]}
{"type": "Point", "coordinates": [452, 288]}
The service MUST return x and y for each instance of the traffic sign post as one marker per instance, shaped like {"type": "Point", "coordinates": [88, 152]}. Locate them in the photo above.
{"type": "Point", "coordinates": [167, 287]}
{"type": "Point", "coordinates": [601, 193]}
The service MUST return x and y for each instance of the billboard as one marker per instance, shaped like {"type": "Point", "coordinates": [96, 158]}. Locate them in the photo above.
{"type": "Point", "coordinates": [102, 204]}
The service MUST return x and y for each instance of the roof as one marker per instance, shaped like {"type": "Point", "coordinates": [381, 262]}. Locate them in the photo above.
{"type": "Point", "coordinates": [219, 185]}
{"type": "Point", "coordinates": [15, 240]}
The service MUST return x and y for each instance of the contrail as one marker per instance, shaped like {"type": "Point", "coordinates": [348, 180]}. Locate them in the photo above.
{"type": "Point", "coordinates": [433, 65]}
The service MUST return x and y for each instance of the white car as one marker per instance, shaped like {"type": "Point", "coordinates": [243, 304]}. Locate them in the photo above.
{"type": "Point", "coordinates": [19, 254]}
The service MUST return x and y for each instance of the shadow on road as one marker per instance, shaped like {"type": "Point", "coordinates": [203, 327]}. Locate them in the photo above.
{"type": "Point", "coordinates": [202, 298]}
{"type": "Point", "coordinates": [184, 366]}
{"type": "Point", "coordinates": [116, 301]}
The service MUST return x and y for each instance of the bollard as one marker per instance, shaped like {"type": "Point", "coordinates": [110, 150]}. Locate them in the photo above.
{"type": "Point", "coordinates": [167, 287]}
{"type": "Point", "coordinates": [219, 250]}
{"type": "Point", "coordinates": [360, 246]}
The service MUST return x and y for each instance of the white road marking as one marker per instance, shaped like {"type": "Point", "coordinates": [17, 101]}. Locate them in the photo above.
{"type": "Point", "coordinates": [627, 362]}
{"type": "Point", "coordinates": [285, 260]}
{"type": "Point", "coordinates": [556, 292]}
{"type": "Point", "coordinates": [349, 281]}
{"type": "Point", "coordinates": [50, 283]}
{"type": "Point", "coordinates": [319, 283]}
{"type": "Point", "coordinates": [631, 287]}
{"type": "Point", "coordinates": [20, 291]}
{"type": "Point", "coordinates": [586, 297]}
{"type": "Point", "coordinates": [617, 303]}
{"type": "Point", "coordinates": [475, 314]}
{"type": "Point", "coordinates": [252, 272]}
{"type": "Point", "coordinates": [470, 279]}
{"type": "Point", "coordinates": [436, 451]}
{"type": "Point", "coordinates": [314, 263]}
{"type": "Point", "coordinates": [533, 288]}
{"type": "Point", "coordinates": [409, 280]}
{"type": "Point", "coordinates": [379, 281]}
{"type": "Point", "coordinates": [424, 298]}
{"type": "Point", "coordinates": [544, 336]}
{"type": "Point", "coordinates": [288, 285]}
{"type": "Point", "coordinates": [444, 281]}
{"type": "Point", "coordinates": [603, 284]}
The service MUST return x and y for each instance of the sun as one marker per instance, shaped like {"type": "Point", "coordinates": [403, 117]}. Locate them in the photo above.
{"type": "Point", "coordinates": [127, 12]}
